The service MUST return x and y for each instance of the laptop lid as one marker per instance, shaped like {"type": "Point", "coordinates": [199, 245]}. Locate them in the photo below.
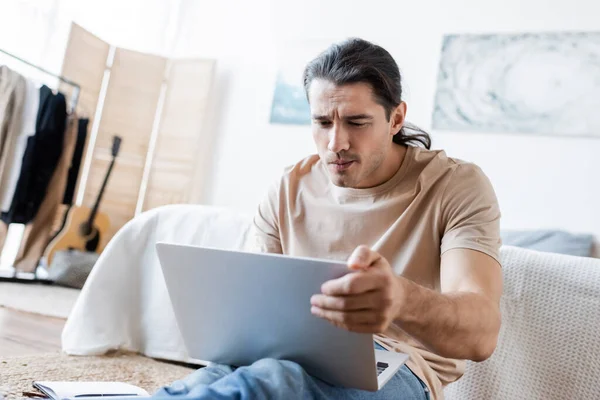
{"type": "Point", "coordinates": [236, 308]}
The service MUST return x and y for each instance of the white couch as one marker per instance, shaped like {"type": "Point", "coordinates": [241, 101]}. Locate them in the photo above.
{"type": "Point", "coordinates": [549, 345]}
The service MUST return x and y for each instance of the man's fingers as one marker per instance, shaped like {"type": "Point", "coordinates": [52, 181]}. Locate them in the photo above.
{"type": "Point", "coordinates": [367, 301]}
{"type": "Point", "coordinates": [346, 319]}
{"type": "Point", "coordinates": [353, 283]}
{"type": "Point", "coordinates": [362, 300]}
{"type": "Point", "coordinates": [362, 257]}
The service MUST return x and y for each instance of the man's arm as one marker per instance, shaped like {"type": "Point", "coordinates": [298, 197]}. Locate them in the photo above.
{"type": "Point", "coordinates": [463, 321]}
{"type": "Point", "coordinates": [264, 234]}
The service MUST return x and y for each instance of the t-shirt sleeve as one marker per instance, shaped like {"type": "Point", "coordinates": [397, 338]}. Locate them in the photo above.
{"type": "Point", "coordinates": [470, 212]}
{"type": "Point", "coordinates": [265, 237]}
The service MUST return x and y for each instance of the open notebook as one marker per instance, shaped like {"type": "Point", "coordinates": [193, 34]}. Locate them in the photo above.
{"type": "Point", "coordinates": [74, 390]}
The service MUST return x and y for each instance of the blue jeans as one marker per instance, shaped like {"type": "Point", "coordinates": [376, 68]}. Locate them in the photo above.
{"type": "Point", "coordinates": [276, 379]}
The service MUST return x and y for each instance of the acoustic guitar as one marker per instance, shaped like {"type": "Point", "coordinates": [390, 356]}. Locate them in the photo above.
{"type": "Point", "coordinates": [84, 229]}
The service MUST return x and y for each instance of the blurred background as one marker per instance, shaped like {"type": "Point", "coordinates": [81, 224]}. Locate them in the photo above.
{"type": "Point", "coordinates": [206, 95]}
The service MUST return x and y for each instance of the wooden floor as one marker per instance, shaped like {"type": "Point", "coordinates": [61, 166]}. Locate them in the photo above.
{"type": "Point", "coordinates": [26, 334]}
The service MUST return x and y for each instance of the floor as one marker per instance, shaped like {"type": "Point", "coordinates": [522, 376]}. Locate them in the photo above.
{"type": "Point", "coordinates": [24, 334]}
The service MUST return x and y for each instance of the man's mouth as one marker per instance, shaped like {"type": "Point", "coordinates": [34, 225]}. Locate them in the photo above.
{"type": "Point", "coordinates": [342, 165]}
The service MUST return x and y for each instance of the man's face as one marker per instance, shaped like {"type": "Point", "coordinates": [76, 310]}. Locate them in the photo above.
{"type": "Point", "coordinates": [352, 134]}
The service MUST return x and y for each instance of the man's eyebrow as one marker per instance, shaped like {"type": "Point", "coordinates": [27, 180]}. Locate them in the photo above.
{"type": "Point", "coordinates": [347, 118]}
{"type": "Point", "coordinates": [358, 116]}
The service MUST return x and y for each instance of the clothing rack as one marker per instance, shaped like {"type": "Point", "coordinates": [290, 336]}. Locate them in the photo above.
{"type": "Point", "coordinates": [23, 276]}
{"type": "Point", "coordinates": [76, 87]}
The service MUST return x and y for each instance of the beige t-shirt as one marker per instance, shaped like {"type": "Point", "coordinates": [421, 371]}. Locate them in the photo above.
{"type": "Point", "coordinates": [432, 204]}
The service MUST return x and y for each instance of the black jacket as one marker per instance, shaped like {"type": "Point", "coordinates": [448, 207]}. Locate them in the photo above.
{"type": "Point", "coordinates": [40, 159]}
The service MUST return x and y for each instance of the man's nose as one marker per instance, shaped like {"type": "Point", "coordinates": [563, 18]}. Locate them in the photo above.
{"type": "Point", "coordinates": [338, 139]}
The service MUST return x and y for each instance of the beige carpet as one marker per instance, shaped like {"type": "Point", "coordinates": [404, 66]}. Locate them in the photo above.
{"type": "Point", "coordinates": [18, 373]}
{"type": "Point", "coordinates": [50, 300]}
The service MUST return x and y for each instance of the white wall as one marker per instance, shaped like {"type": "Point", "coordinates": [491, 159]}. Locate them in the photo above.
{"type": "Point", "coordinates": [540, 181]}
{"type": "Point", "coordinates": [38, 30]}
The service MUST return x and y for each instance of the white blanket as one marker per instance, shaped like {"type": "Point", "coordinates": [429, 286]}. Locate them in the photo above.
{"type": "Point", "coordinates": [124, 303]}
{"type": "Point", "coordinates": [549, 345]}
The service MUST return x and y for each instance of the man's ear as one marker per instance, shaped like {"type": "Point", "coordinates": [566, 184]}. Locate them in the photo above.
{"type": "Point", "coordinates": [397, 118]}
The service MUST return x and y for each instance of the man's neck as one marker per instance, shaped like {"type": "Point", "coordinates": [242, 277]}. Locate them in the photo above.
{"type": "Point", "coordinates": [393, 163]}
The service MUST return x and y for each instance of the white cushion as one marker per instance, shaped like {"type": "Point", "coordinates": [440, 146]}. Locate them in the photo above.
{"type": "Point", "coordinates": [549, 346]}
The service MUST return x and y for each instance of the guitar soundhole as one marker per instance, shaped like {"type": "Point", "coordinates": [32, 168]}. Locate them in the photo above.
{"type": "Point", "coordinates": [92, 243]}
{"type": "Point", "coordinates": [90, 235]}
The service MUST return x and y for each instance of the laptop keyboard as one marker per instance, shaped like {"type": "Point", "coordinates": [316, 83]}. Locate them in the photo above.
{"type": "Point", "coordinates": [381, 366]}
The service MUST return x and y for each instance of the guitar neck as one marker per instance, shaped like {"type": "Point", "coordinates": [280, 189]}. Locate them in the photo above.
{"type": "Point", "coordinates": [99, 198]}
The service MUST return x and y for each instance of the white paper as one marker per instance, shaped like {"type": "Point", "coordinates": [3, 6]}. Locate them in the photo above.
{"type": "Point", "coordinates": [62, 390]}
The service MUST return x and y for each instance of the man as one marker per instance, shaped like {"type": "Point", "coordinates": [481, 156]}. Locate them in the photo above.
{"type": "Point", "coordinates": [419, 231]}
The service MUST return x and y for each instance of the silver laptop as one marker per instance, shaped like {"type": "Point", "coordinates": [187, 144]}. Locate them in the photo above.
{"type": "Point", "coordinates": [236, 308]}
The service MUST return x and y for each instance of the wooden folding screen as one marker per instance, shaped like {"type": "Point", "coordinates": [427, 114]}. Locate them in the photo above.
{"type": "Point", "coordinates": [179, 145]}
{"type": "Point", "coordinates": [144, 176]}
{"type": "Point", "coordinates": [129, 111]}
{"type": "Point", "coordinates": [84, 63]}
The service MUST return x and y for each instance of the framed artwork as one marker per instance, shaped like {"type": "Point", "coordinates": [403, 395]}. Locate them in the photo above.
{"type": "Point", "coordinates": [290, 106]}
{"type": "Point", "coordinates": [533, 83]}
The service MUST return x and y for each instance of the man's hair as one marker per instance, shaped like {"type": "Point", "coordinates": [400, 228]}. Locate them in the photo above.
{"type": "Point", "coordinates": [356, 60]}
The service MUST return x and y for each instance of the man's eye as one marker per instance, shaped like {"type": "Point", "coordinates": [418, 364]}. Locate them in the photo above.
{"type": "Point", "coordinates": [359, 124]}
{"type": "Point", "coordinates": [324, 123]}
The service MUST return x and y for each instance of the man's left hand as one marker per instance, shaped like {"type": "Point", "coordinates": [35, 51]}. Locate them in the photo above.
{"type": "Point", "coordinates": [365, 300]}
